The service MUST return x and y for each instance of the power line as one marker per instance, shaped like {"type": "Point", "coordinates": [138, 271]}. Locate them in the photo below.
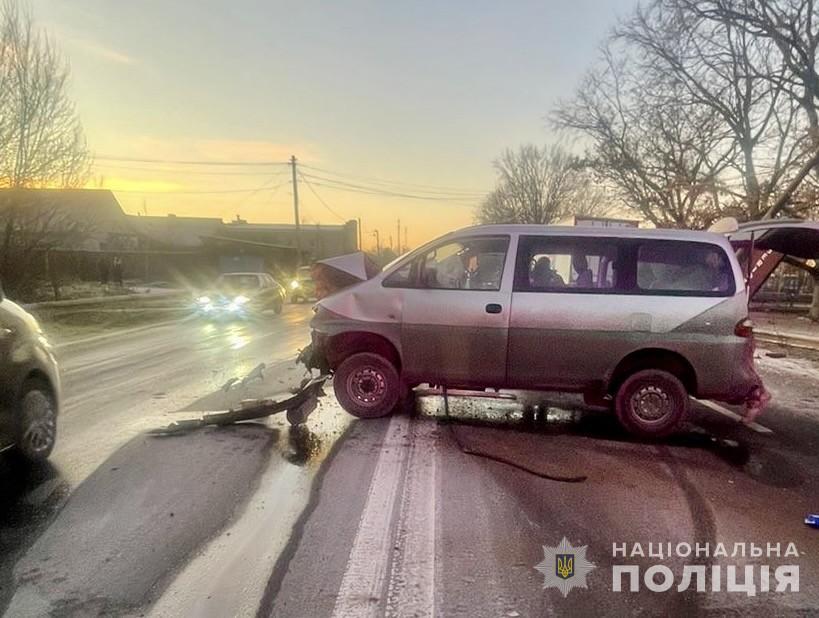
{"type": "Point", "coordinates": [265, 186]}
{"type": "Point", "coordinates": [386, 190]}
{"type": "Point", "coordinates": [387, 185]}
{"type": "Point", "coordinates": [216, 192]}
{"type": "Point", "coordinates": [409, 185]}
{"type": "Point", "coordinates": [191, 162]}
{"type": "Point", "coordinates": [169, 170]}
{"type": "Point", "coordinates": [318, 197]}
{"type": "Point", "coordinates": [353, 188]}
{"type": "Point", "coordinates": [462, 201]}
{"type": "Point", "coordinates": [371, 187]}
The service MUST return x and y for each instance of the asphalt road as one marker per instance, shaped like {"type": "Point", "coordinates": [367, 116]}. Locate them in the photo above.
{"type": "Point", "coordinates": [408, 516]}
{"type": "Point", "coordinates": [409, 521]}
{"type": "Point", "coordinates": [115, 513]}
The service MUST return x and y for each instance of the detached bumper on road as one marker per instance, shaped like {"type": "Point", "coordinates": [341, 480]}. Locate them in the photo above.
{"type": "Point", "coordinates": [298, 408]}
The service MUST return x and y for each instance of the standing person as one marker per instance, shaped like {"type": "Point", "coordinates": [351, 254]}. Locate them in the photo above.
{"type": "Point", "coordinates": [103, 268]}
{"type": "Point", "coordinates": [585, 276]}
{"type": "Point", "coordinates": [118, 271]}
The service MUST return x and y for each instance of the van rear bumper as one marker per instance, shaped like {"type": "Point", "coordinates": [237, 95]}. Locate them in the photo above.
{"type": "Point", "coordinates": [726, 372]}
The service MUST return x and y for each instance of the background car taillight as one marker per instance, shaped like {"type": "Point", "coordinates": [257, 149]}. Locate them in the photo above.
{"type": "Point", "coordinates": [744, 328]}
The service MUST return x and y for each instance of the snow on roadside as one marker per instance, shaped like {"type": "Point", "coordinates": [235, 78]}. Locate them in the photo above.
{"type": "Point", "coordinates": [792, 380]}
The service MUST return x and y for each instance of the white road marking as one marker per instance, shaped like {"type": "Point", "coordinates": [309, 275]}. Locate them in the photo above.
{"type": "Point", "coordinates": [363, 583]}
{"type": "Point", "coordinates": [411, 589]}
{"type": "Point", "coordinates": [732, 415]}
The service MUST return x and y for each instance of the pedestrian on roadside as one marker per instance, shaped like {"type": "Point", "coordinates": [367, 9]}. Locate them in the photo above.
{"type": "Point", "coordinates": [104, 269]}
{"type": "Point", "coordinates": [118, 271]}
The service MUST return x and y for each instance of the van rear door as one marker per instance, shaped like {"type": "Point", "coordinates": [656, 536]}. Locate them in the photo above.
{"type": "Point", "coordinates": [768, 242]}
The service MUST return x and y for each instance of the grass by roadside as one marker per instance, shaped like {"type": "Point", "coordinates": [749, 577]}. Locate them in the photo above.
{"type": "Point", "coordinates": [63, 324]}
{"type": "Point", "coordinates": [43, 292]}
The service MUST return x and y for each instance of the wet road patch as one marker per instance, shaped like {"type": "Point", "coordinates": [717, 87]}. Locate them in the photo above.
{"type": "Point", "coordinates": [137, 519]}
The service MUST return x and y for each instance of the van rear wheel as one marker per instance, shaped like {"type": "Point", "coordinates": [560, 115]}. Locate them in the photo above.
{"type": "Point", "coordinates": [651, 403]}
{"type": "Point", "coordinates": [367, 385]}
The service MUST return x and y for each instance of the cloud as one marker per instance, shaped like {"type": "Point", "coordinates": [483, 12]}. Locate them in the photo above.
{"type": "Point", "coordinates": [74, 40]}
{"type": "Point", "coordinates": [100, 51]}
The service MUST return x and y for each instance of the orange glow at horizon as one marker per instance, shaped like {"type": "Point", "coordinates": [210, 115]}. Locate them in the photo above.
{"type": "Point", "coordinates": [181, 194]}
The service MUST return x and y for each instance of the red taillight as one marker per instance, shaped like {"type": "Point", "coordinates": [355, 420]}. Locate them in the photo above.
{"type": "Point", "coordinates": [744, 328]}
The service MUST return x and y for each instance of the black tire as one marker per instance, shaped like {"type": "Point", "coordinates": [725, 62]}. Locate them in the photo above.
{"type": "Point", "coordinates": [367, 385]}
{"type": "Point", "coordinates": [36, 421]}
{"type": "Point", "coordinates": [297, 416]}
{"type": "Point", "coordinates": [651, 403]}
{"type": "Point", "coordinates": [278, 306]}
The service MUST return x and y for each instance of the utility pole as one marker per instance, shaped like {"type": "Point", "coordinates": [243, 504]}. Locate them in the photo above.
{"type": "Point", "coordinates": [360, 241]}
{"type": "Point", "coordinates": [377, 242]}
{"type": "Point", "coordinates": [398, 238]}
{"type": "Point", "coordinates": [406, 242]}
{"type": "Point", "coordinates": [296, 210]}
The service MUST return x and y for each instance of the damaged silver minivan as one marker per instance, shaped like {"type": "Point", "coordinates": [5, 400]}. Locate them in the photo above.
{"type": "Point", "coordinates": [639, 319]}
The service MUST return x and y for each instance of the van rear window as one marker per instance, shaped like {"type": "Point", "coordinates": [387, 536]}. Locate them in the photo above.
{"type": "Point", "coordinates": [684, 267]}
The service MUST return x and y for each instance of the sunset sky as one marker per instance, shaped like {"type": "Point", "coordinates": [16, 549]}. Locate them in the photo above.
{"type": "Point", "coordinates": [412, 99]}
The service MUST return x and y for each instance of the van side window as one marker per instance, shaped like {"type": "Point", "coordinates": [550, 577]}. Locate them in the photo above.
{"type": "Point", "coordinates": [560, 264]}
{"type": "Point", "coordinates": [467, 264]}
{"type": "Point", "coordinates": [684, 268]}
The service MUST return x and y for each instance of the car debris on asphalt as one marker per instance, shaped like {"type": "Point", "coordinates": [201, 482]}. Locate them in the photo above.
{"type": "Point", "coordinates": [298, 407]}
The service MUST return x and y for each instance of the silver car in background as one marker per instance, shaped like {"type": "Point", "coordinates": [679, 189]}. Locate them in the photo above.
{"type": "Point", "coordinates": [640, 319]}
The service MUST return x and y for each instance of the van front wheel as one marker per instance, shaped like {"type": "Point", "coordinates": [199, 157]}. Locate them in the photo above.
{"type": "Point", "coordinates": [367, 385]}
{"type": "Point", "coordinates": [651, 403]}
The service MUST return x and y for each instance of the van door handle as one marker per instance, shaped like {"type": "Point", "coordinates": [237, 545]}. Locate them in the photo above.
{"type": "Point", "coordinates": [493, 308]}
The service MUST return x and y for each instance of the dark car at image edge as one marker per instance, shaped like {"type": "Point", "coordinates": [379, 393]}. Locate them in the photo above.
{"type": "Point", "coordinates": [29, 385]}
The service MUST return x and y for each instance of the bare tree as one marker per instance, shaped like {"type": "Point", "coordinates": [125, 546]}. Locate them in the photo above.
{"type": "Point", "coordinates": [792, 26]}
{"type": "Point", "coordinates": [707, 59]}
{"type": "Point", "coordinates": [720, 67]}
{"type": "Point", "coordinates": [662, 158]}
{"type": "Point", "coordinates": [41, 138]}
{"type": "Point", "coordinates": [541, 185]}
{"type": "Point", "coordinates": [787, 32]}
{"type": "Point", "coordinates": [41, 141]}
{"type": "Point", "coordinates": [703, 108]}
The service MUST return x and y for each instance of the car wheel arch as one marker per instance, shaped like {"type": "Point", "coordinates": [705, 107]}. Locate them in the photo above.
{"type": "Point", "coordinates": [35, 376]}
{"type": "Point", "coordinates": [653, 358]}
{"type": "Point", "coordinates": [344, 345]}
